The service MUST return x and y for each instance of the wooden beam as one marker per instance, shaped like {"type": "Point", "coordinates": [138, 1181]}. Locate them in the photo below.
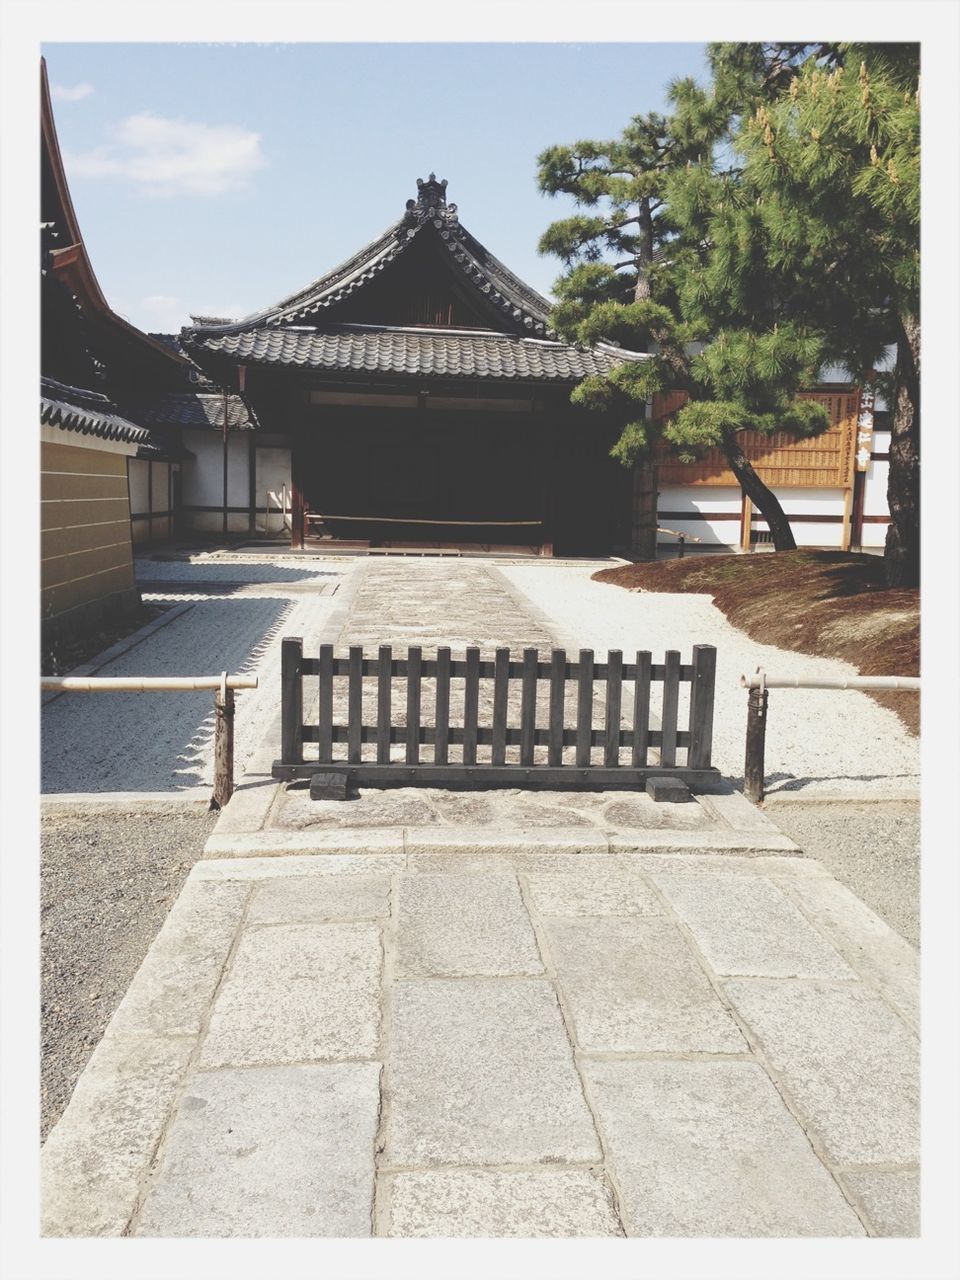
{"type": "Point", "coordinates": [746, 521]}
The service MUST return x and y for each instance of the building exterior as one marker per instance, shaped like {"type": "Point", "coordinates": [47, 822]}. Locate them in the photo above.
{"type": "Point", "coordinates": [96, 456]}
{"type": "Point", "coordinates": [832, 487]}
{"type": "Point", "coordinates": [413, 396]}
{"type": "Point", "coordinates": [416, 395]}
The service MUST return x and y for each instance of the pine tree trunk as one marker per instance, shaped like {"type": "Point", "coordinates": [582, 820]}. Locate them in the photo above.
{"type": "Point", "coordinates": [901, 555]}
{"type": "Point", "coordinates": [764, 499]}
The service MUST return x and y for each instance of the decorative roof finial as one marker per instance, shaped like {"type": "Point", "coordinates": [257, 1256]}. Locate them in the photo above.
{"type": "Point", "coordinates": [431, 204]}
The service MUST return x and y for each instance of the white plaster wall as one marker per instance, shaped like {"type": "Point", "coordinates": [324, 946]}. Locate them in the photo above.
{"type": "Point", "coordinates": [139, 471]}
{"type": "Point", "coordinates": [202, 484]}
{"type": "Point", "coordinates": [161, 486]}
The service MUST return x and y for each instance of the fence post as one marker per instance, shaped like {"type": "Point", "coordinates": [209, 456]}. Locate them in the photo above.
{"type": "Point", "coordinates": [701, 706]}
{"type": "Point", "coordinates": [223, 745]}
{"type": "Point", "coordinates": [291, 700]}
{"type": "Point", "coordinates": [756, 737]}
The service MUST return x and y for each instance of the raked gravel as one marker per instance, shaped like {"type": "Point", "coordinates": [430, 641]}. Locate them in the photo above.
{"type": "Point", "coordinates": [164, 741]}
{"type": "Point", "coordinates": [818, 740]}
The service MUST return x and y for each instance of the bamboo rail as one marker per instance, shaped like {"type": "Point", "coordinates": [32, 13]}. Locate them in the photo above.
{"type": "Point", "coordinates": [757, 702]}
{"type": "Point", "coordinates": [224, 685]}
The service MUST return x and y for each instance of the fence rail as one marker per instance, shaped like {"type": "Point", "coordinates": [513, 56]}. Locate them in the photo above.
{"type": "Point", "coordinates": [486, 722]}
{"type": "Point", "coordinates": [224, 684]}
{"type": "Point", "coordinates": [758, 704]}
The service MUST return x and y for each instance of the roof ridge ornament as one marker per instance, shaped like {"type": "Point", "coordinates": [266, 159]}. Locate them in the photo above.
{"type": "Point", "coordinates": [431, 206]}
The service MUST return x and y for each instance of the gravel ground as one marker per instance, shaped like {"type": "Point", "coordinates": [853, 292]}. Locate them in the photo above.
{"type": "Point", "coordinates": [874, 849]}
{"type": "Point", "coordinates": [107, 883]}
{"type": "Point", "coordinates": [817, 739]}
{"type": "Point", "coordinates": [164, 742]}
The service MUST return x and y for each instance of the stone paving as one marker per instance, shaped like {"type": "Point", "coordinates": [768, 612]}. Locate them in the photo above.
{"type": "Point", "coordinates": [320, 1048]}
{"type": "Point", "coordinates": [430, 1014]}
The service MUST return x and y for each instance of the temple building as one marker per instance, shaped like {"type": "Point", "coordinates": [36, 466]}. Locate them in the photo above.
{"type": "Point", "coordinates": [421, 398]}
{"type": "Point", "coordinates": [415, 396]}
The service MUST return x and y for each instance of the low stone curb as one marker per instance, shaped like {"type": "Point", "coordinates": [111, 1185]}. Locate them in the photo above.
{"type": "Point", "coordinates": [85, 803]}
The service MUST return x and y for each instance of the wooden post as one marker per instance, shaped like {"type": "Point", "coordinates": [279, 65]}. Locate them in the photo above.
{"type": "Point", "coordinates": [644, 532]}
{"type": "Point", "coordinates": [746, 522]}
{"type": "Point", "coordinates": [296, 499]}
{"type": "Point", "coordinates": [223, 746]}
{"type": "Point", "coordinates": [226, 460]}
{"type": "Point", "coordinates": [668, 712]}
{"type": "Point", "coordinates": [611, 724]}
{"type": "Point", "coordinates": [756, 738]}
{"type": "Point", "coordinates": [701, 706]}
{"type": "Point", "coordinates": [291, 700]}
{"type": "Point", "coordinates": [252, 484]}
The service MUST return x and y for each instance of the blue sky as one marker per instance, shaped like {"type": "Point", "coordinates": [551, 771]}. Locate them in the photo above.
{"type": "Point", "coordinates": [218, 178]}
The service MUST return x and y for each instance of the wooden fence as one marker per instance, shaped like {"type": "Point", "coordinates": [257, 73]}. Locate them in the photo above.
{"type": "Point", "coordinates": [455, 742]}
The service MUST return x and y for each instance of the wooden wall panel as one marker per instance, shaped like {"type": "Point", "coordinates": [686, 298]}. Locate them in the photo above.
{"type": "Point", "coordinates": [85, 550]}
{"type": "Point", "coordinates": [781, 460]}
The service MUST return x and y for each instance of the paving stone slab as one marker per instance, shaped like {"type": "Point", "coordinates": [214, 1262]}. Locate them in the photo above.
{"type": "Point", "coordinates": [96, 1156]}
{"type": "Point", "coordinates": [749, 927]}
{"type": "Point", "coordinates": [399, 807]}
{"type": "Point", "coordinates": [634, 986]}
{"type": "Point", "coordinates": [709, 1149]}
{"type": "Point", "coordinates": [451, 925]}
{"type": "Point", "coordinates": [347, 897]}
{"type": "Point", "coordinates": [509, 862]}
{"type": "Point", "coordinates": [323, 840]}
{"type": "Point", "coordinates": [751, 864]}
{"type": "Point", "coordinates": [867, 942]}
{"type": "Point", "coordinates": [172, 989]}
{"type": "Point", "coordinates": [482, 1072]}
{"type": "Point", "coordinates": [329, 864]}
{"type": "Point", "coordinates": [736, 811]}
{"type": "Point", "coordinates": [615, 891]}
{"type": "Point", "coordinates": [497, 840]}
{"type": "Point", "coordinates": [714, 841]}
{"type": "Point", "coordinates": [847, 1060]}
{"type": "Point", "coordinates": [489, 1202]}
{"type": "Point", "coordinates": [643, 811]}
{"type": "Point", "coordinates": [891, 1199]}
{"type": "Point", "coordinates": [269, 1151]}
{"type": "Point", "coordinates": [296, 993]}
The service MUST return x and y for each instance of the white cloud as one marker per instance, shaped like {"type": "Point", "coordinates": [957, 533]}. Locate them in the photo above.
{"type": "Point", "coordinates": [168, 157]}
{"type": "Point", "coordinates": [70, 92]}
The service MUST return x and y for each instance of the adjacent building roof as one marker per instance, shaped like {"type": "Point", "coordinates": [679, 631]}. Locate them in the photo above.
{"type": "Point", "coordinates": [87, 412]}
{"type": "Point", "coordinates": [305, 329]}
{"type": "Point", "coordinates": [423, 353]}
{"type": "Point", "coordinates": [195, 409]}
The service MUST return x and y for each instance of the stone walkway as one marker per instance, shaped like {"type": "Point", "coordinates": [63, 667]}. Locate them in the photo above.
{"type": "Point", "coordinates": [400, 1021]}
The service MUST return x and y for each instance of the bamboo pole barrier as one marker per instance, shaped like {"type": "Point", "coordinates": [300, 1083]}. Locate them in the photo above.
{"type": "Point", "coordinates": [757, 702]}
{"type": "Point", "coordinates": [142, 684]}
{"type": "Point", "coordinates": [224, 708]}
{"type": "Point", "coordinates": [763, 679]}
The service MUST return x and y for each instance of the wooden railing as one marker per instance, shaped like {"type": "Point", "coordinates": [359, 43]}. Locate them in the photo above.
{"type": "Point", "coordinates": [223, 686]}
{"type": "Point", "coordinates": [455, 741]}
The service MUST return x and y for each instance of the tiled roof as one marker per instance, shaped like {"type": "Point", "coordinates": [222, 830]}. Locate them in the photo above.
{"type": "Point", "coordinates": [523, 309]}
{"type": "Point", "coordinates": [424, 353]}
{"type": "Point", "coordinates": [195, 409]}
{"type": "Point", "coordinates": [88, 412]}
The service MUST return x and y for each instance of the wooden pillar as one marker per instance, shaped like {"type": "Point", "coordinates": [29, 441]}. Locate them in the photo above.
{"type": "Point", "coordinates": [856, 514]}
{"type": "Point", "coordinates": [643, 542]}
{"type": "Point", "coordinates": [223, 747]}
{"type": "Point", "coordinates": [746, 523]}
{"type": "Point", "coordinates": [756, 742]}
{"type": "Point", "coordinates": [296, 497]}
{"type": "Point", "coordinates": [548, 455]}
{"type": "Point", "coordinates": [252, 478]}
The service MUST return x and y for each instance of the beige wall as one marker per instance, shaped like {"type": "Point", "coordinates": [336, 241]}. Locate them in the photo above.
{"type": "Point", "coordinates": [85, 545]}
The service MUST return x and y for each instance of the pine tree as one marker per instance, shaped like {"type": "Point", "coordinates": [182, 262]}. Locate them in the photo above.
{"type": "Point", "coordinates": [658, 267]}
{"type": "Point", "coordinates": [835, 160]}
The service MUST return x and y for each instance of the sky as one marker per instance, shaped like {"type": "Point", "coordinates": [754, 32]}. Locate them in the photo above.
{"type": "Point", "coordinates": [215, 179]}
